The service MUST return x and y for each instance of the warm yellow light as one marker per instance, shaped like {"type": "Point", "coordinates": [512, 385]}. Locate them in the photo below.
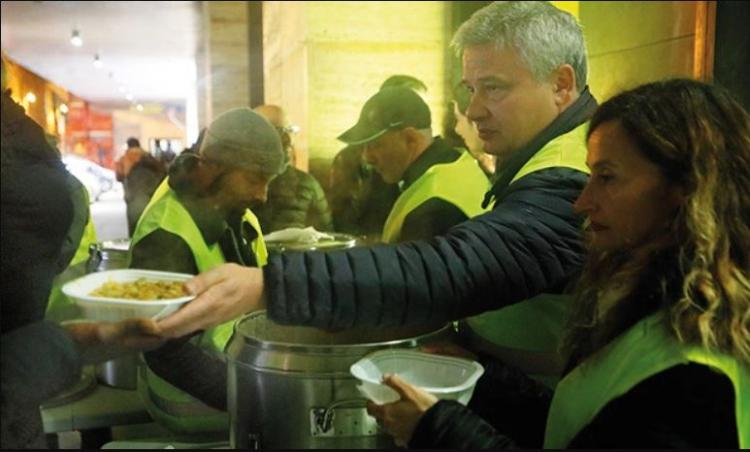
{"type": "Point", "coordinates": [568, 6]}
{"type": "Point", "coordinates": [30, 97]}
{"type": "Point", "coordinates": [64, 109]}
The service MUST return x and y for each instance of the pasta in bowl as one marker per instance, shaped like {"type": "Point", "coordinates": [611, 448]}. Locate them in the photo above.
{"type": "Point", "coordinates": [121, 294]}
{"type": "Point", "coordinates": [141, 289]}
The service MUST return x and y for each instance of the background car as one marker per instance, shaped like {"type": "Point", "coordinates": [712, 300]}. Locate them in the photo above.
{"type": "Point", "coordinates": [105, 195]}
{"type": "Point", "coordinates": [97, 179]}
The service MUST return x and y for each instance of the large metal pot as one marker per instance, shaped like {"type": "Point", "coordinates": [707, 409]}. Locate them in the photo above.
{"type": "Point", "coordinates": [112, 255]}
{"type": "Point", "coordinates": [290, 387]}
{"type": "Point", "coordinates": [108, 255]}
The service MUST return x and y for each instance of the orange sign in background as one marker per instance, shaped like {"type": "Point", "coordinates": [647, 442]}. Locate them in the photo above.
{"type": "Point", "coordinates": [81, 129]}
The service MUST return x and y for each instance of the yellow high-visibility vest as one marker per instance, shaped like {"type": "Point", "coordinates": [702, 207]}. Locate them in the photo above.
{"type": "Point", "coordinates": [527, 333]}
{"type": "Point", "coordinates": [644, 350]}
{"type": "Point", "coordinates": [168, 405]}
{"type": "Point", "coordinates": [461, 183]}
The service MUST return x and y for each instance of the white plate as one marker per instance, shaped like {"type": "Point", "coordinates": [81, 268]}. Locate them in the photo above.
{"type": "Point", "coordinates": [443, 376]}
{"type": "Point", "coordinates": [114, 309]}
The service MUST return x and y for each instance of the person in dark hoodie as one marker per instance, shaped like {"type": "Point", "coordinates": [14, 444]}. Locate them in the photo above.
{"type": "Point", "coordinates": [41, 358]}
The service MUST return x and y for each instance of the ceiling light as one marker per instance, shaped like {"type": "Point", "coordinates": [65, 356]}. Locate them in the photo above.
{"type": "Point", "coordinates": [97, 61]}
{"type": "Point", "coordinates": [30, 97]}
{"type": "Point", "coordinates": [139, 107]}
{"type": "Point", "coordinates": [129, 97]}
{"type": "Point", "coordinates": [63, 109]}
{"type": "Point", "coordinates": [76, 39]}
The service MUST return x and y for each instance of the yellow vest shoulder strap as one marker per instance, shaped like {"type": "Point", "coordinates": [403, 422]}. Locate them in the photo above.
{"type": "Point", "coordinates": [461, 183]}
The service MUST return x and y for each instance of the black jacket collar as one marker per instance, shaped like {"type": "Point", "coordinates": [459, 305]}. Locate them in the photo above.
{"type": "Point", "coordinates": [437, 152]}
{"type": "Point", "coordinates": [572, 117]}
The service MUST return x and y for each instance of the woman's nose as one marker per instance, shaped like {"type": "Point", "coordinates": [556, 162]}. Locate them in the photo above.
{"type": "Point", "coordinates": [583, 205]}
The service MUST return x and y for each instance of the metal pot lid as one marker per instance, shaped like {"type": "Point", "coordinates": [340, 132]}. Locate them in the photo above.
{"type": "Point", "coordinates": [116, 244]}
{"type": "Point", "coordinates": [258, 328]}
{"type": "Point", "coordinates": [339, 241]}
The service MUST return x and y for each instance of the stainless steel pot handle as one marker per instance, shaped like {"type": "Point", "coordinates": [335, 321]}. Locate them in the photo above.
{"type": "Point", "coordinates": [324, 416]}
{"type": "Point", "coordinates": [253, 441]}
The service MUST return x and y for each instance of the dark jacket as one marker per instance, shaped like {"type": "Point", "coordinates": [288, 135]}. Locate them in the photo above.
{"type": "Point", "coordinates": [295, 200]}
{"type": "Point", "coordinates": [139, 184]}
{"type": "Point", "coordinates": [528, 244]}
{"type": "Point", "coordinates": [37, 212]}
{"type": "Point", "coordinates": [38, 358]}
{"type": "Point", "coordinates": [359, 198]}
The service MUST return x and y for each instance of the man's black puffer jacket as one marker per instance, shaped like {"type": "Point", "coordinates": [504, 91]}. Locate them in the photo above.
{"type": "Point", "coordinates": [529, 243]}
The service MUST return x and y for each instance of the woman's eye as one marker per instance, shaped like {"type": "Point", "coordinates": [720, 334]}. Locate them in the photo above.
{"type": "Point", "coordinates": [605, 177]}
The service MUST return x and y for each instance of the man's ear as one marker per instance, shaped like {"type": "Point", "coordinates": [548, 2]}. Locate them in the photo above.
{"type": "Point", "coordinates": [207, 173]}
{"type": "Point", "coordinates": [564, 85]}
{"type": "Point", "coordinates": [412, 137]}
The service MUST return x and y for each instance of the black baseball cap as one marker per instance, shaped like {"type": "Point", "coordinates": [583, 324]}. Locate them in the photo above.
{"type": "Point", "coordinates": [388, 109]}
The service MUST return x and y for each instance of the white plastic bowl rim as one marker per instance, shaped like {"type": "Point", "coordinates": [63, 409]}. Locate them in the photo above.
{"type": "Point", "coordinates": [357, 370]}
{"type": "Point", "coordinates": [80, 288]}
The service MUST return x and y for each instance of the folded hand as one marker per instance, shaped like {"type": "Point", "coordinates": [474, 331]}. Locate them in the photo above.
{"type": "Point", "coordinates": [102, 341]}
{"type": "Point", "coordinates": [400, 418]}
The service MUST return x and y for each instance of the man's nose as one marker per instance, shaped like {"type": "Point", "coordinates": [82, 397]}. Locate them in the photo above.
{"type": "Point", "coordinates": [476, 110]}
{"type": "Point", "coordinates": [261, 194]}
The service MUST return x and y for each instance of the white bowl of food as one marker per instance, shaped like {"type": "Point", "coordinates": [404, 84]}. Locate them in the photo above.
{"type": "Point", "coordinates": [122, 294]}
{"type": "Point", "coordinates": [443, 376]}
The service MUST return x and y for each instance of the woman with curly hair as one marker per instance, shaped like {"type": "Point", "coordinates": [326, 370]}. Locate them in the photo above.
{"type": "Point", "coordinates": [658, 343]}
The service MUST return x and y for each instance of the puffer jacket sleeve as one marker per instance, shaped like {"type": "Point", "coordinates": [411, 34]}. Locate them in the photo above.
{"type": "Point", "coordinates": [528, 244]}
{"type": "Point", "coordinates": [450, 425]}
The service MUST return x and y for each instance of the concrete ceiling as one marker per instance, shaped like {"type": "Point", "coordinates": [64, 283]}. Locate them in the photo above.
{"type": "Point", "coordinates": [147, 48]}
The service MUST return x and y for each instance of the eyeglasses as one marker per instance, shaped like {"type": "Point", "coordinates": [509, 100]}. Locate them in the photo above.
{"type": "Point", "coordinates": [291, 129]}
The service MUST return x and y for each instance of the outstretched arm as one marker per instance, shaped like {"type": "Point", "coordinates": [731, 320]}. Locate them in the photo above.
{"type": "Point", "coordinates": [530, 243]}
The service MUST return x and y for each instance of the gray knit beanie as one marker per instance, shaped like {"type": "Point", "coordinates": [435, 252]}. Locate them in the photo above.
{"type": "Point", "coordinates": [243, 138]}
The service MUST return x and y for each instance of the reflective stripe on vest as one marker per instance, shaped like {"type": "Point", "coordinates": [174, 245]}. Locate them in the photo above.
{"type": "Point", "coordinates": [644, 350]}
{"type": "Point", "coordinates": [461, 183]}
{"type": "Point", "coordinates": [178, 411]}
{"type": "Point", "coordinates": [165, 211]}
{"type": "Point", "coordinates": [509, 328]}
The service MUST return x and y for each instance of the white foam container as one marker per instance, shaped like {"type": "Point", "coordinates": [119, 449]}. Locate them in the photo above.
{"type": "Point", "coordinates": [443, 376]}
{"type": "Point", "coordinates": [115, 309]}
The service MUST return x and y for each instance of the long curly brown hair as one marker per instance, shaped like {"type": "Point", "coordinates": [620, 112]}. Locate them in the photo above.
{"type": "Point", "coordinates": [699, 273]}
